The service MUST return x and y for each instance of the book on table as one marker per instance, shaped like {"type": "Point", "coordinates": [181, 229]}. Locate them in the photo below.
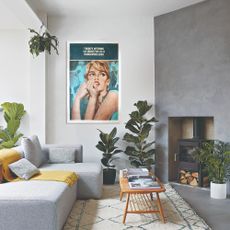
{"type": "Point", "coordinates": [143, 182]}
{"type": "Point", "coordinates": [138, 172]}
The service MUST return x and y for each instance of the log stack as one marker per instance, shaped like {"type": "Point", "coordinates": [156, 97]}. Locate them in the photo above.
{"type": "Point", "coordinates": [187, 177]}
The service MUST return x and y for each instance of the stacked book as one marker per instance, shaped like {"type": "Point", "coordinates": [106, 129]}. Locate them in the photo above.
{"type": "Point", "coordinates": [138, 178]}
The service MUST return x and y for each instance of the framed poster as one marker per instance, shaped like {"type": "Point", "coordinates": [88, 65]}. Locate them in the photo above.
{"type": "Point", "coordinates": [92, 82]}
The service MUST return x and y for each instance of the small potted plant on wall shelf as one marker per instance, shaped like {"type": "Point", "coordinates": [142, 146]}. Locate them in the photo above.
{"type": "Point", "coordinates": [214, 155]}
{"type": "Point", "coordinates": [41, 42]}
{"type": "Point", "coordinates": [107, 146]}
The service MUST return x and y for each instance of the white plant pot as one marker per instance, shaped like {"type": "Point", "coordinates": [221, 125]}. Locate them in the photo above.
{"type": "Point", "coordinates": [218, 191]}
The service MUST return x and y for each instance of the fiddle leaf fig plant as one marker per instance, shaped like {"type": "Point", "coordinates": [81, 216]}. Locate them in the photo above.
{"type": "Point", "coordinates": [139, 149]}
{"type": "Point", "coordinates": [107, 146]}
{"type": "Point", "coordinates": [13, 113]}
{"type": "Point", "coordinates": [41, 42]}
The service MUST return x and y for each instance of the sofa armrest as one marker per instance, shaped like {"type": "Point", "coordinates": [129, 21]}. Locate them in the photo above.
{"type": "Point", "coordinates": [78, 150]}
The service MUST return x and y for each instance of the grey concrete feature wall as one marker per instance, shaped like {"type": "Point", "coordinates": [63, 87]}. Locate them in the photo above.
{"type": "Point", "coordinates": [192, 57]}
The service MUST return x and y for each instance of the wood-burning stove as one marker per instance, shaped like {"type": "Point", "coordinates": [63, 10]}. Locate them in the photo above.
{"type": "Point", "coordinates": [186, 161]}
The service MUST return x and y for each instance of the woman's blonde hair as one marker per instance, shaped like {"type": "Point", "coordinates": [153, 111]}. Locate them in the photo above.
{"type": "Point", "coordinates": [99, 65]}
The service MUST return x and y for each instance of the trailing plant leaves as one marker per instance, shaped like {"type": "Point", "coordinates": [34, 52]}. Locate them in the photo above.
{"type": "Point", "coordinates": [41, 42]}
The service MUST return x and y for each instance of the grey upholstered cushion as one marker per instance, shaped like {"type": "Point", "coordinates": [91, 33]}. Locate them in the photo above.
{"type": "Point", "coordinates": [32, 150]}
{"type": "Point", "coordinates": [24, 169]}
{"type": "Point", "coordinates": [35, 205]}
{"type": "Point", "coordinates": [61, 155]}
{"type": "Point", "coordinates": [89, 184]}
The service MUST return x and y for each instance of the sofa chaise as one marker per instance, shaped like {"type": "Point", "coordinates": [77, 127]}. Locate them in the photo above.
{"type": "Point", "coordinates": [45, 205]}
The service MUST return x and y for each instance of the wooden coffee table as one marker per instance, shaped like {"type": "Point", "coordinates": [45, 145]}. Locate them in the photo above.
{"type": "Point", "coordinates": [141, 200]}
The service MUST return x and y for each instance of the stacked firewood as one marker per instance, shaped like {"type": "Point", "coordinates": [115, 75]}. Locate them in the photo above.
{"type": "Point", "coordinates": [186, 177]}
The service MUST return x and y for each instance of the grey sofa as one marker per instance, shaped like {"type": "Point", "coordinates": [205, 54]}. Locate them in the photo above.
{"type": "Point", "coordinates": [45, 205]}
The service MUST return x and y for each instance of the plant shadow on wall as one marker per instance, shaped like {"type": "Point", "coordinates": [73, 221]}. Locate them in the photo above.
{"type": "Point", "coordinates": [41, 42]}
{"type": "Point", "coordinates": [13, 113]}
{"type": "Point", "coordinates": [214, 155]}
{"type": "Point", "coordinates": [107, 145]}
{"type": "Point", "coordinates": [140, 151]}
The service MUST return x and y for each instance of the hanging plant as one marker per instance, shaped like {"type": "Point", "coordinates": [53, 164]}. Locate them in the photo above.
{"type": "Point", "coordinates": [42, 41]}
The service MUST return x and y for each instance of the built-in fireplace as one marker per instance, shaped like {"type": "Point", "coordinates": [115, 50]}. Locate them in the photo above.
{"type": "Point", "coordinates": [185, 135]}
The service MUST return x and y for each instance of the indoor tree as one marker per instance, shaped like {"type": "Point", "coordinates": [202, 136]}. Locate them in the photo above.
{"type": "Point", "coordinates": [140, 150]}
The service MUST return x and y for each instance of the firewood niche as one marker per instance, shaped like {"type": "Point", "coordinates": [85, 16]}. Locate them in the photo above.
{"type": "Point", "coordinates": [191, 178]}
{"type": "Point", "coordinates": [186, 134]}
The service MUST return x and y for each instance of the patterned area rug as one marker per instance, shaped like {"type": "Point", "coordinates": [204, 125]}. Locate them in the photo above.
{"type": "Point", "coordinates": [107, 214]}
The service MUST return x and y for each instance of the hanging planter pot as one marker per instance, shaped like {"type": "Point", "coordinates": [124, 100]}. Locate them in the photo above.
{"type": "Point", "coordinates": [41, 42]}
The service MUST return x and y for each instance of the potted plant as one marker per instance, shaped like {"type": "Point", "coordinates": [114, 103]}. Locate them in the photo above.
{"type": "Point", "coordinates": [41, 42]}
{"type": "Point", "coordinates": [214, 155]}
{"type": "Point", "coordinates": [107, 146]}
{"type": "Point", "coordinates": [140, 150]}
{"type": "Point", "coordinates": [13, 113]}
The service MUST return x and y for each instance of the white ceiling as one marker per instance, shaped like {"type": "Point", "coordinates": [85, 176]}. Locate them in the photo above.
{"type": "Point", "coordinates": [103, 8]}
{"type": "Point", "coordinates": [88, 8]}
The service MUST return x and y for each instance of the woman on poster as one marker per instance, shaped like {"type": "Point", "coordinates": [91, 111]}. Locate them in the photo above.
{"type": "Point", "coordinates": [93, 100]}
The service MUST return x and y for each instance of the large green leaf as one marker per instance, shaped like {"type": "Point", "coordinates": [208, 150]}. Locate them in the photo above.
{"type": "Point", "coordinates": [114, 141]}
{"type": "Point", "coordinates": [131, 151]}
{"type": "Point", "coordinates": [117, 151]}
{"type": "Point", "coordinates": [113, 133]}
{"type": "Point", "coordinates": [143, 107]}
{"type": "Point", "coordinates": [102, 136]}
{"type": "Point", "coordinates": [7, 144]}
{"type": "Point", "coordinates": [153, 119]}
{"type": "Point", "coordinates": [12, 126]}
{"type": "Point", "coordinates": [145, 131]}
{"type": "Point", "coordinates": [132, 126]}
{"type": "Point", "coordinates": [101, 146]}
{"type": "Point", "coordinates": [135, 115]}
{"type": "Point", "coordinates": [4, 135]}
{"type": "Point", "coordinates": [130, 138]}
{"type": "Point", "coordinates": [148, 145]}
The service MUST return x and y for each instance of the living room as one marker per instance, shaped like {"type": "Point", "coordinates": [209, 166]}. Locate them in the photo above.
{"type": "Point", "coordinates": [173, 54]}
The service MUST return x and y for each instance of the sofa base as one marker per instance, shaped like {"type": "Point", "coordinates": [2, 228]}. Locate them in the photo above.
{"type": "Point", "coordinates": [35, 205]}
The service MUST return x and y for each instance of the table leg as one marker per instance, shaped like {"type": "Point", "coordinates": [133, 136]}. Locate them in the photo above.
{"type": "Point", "coordinates": [126, 207]}
{"type": "Point", "coordinates": [160, 208]}
{"type": "Point", "coordinates": [121, 195]}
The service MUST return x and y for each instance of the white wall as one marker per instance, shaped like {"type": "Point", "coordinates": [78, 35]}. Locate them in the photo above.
{"type": "Point", "coordinates": [22, 77]}
{"type": "Point", "coordinates": [14, 72]}
{"type": "Point", "coordinates": [135, 38]}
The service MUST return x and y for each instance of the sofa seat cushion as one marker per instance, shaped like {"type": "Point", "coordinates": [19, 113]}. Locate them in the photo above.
{"type": "Point", "coordinates": [25, 203]}
{"type": "Point", "coordinates": [90, 180]}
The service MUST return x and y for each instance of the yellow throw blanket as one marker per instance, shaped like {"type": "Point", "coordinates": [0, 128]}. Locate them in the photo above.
{"type": "Point", "coordinates": [64, 176]}
{"type": "Point", "coordinates": [8, 156]}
